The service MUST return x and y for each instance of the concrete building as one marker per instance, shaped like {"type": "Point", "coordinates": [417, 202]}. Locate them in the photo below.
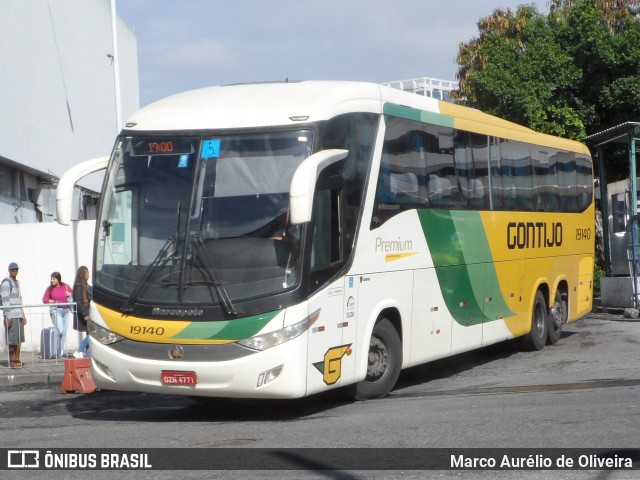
{"type": "Point", "coordinates": [57, 96]}
{"type": "Point", "coordinates": [57, 109]}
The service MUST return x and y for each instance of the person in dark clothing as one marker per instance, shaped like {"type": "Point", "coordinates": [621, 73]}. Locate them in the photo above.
{"type": "Point", "coordinates": [82, 295]}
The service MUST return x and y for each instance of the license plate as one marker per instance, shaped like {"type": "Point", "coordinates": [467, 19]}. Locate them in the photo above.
{"type": "Point", "coordinates": [178, 378]}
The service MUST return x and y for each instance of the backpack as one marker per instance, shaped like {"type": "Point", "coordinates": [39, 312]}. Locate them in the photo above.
{"type": "Point", "coordinates": [6, 279]}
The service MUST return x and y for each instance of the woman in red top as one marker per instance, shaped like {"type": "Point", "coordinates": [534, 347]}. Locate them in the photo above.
{"type": "Point", "coordinates": [59, 292]}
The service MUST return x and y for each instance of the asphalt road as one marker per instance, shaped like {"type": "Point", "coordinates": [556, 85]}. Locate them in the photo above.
{"type": "Point", "coordinates": [581, 393]}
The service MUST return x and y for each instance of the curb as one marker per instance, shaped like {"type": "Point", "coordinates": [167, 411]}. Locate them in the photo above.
{"type": "Point", "coordinates": [20, 380]}
{"type": "Point", "coordinates": [614, 314]}
{"type": "Point", "coordinates": [624, 320]}
{"type": "Point", "coordinates": [609, 310]}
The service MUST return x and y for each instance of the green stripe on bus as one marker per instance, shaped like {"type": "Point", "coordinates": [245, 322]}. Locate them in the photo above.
{"type": "Point", "coordinates": [417, 115]}
{"type": "Point", "coordinates": [464, 265]}
{"type": "Point", "coordinates": [236, 329]}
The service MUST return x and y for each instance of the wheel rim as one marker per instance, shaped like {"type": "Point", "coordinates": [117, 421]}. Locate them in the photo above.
{"type": "Point", "coordinates": [378, 360]}
{"type": "Point", "coordinates": [557, 314]}
{"type": "Point", "coordinates": [538, 320]}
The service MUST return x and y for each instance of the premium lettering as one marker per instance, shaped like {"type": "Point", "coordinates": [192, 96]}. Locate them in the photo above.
{"type": "Point", "coordinates": [394, 246]}
{"type": "Point", "coordinates": [521, 235]}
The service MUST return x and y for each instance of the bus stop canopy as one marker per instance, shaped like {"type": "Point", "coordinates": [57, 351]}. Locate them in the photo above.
{"type": "Point", "coordinates": [626, 134]}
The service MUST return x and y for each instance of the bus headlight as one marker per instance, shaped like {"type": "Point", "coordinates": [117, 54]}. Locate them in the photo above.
{"type": "Point", "coordinates": [102, 335]}
{"type": "Point", "coordinates": [272, 339]}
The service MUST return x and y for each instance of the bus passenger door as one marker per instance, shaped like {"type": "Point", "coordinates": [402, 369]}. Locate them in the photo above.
{"type": "Point", "coordinates": [327, 348]}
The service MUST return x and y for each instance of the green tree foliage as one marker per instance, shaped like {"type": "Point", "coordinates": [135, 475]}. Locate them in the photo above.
{"type": "Point", "coordinates": [572, 71]}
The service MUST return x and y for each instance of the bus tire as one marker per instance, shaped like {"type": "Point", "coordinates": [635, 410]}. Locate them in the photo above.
{"type": "Point", "coordinates": [556, 318]}
{"type": "Point", "coordinates": [383, 364]}
{"type": "Point", "coordinates": [537, 336]}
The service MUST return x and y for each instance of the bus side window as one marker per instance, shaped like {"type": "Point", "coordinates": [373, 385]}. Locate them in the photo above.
{"type": "Point", "coordinates": [584, 175]}
{"type": "Point", "coordinates": [567, 178]}
{"type": "Point", "coordinates": [480, 192]}
{"type": "Point", "coordinates": [539, 169]}
{"type": "Point", "coordinates": [443, 181]}
{"type": "Point", "coordinates": [495, 171]}
{"type": "Point", "coordinates": [550, 189]}
{"type": "Point", "coordinates": [516, 176]}
{"type": "Point", "coordinates": [439, 189]}
{"type": "Point", "coordinates": [401, 179]}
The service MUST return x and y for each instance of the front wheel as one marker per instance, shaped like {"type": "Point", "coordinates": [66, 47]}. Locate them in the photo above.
{"type": "Point", "coordinates": [537, 336]}
{"type": "Point", "coordinates": [384, 363]}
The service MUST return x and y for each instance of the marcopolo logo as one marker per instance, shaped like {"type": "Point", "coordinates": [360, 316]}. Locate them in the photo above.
{"type": "Point", "coordinates": [521, 235]}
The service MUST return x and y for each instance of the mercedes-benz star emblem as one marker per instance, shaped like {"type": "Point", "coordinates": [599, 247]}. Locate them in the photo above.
{"type": "Point", "coordinates": [176, 352]}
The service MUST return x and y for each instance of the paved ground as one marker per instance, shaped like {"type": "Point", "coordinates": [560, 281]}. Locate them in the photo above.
{"type": "Point", "coordinates": [37, 370]}
{"type": "Point", "coordinates": [51, 371]}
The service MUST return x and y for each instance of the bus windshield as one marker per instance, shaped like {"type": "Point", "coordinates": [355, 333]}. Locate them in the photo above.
{"type": "Point", "coordinates": [200, 219]}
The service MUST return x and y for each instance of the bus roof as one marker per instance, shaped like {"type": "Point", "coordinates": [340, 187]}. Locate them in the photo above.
{"type": "Point", "coordinates": [257, 105]}
{"type": "Point", "coordinates": [290, 103]}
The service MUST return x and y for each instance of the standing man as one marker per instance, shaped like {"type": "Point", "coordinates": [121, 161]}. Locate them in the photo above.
{"type": "Point", "coordinates": [14, 318]}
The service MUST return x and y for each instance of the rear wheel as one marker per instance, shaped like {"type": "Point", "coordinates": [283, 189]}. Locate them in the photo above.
{"type": "Point", "coordinates": [537, 336]}
{"type": "Point", "coordinates": [556, 318]}
{"type": "Point", "coordinates": [384, 363]}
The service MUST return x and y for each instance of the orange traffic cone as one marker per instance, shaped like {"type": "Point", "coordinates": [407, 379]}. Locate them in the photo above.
{"type": "Point", "coordinates": [77, 376]}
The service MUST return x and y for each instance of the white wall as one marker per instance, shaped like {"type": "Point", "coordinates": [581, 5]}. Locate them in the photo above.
{"type": "Point", "coordinates": [57, 94]}
{"type": "Point", "coordinates": [40, 249]}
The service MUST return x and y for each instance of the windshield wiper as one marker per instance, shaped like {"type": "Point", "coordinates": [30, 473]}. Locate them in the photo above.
{"type": "Point", "coordinates": [160, 260]}
{"type": "Point", "coordinates": [211, 272]}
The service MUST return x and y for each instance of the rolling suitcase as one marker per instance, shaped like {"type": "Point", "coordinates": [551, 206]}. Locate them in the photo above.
{"type": "Point", "coordinates": [49, 342]}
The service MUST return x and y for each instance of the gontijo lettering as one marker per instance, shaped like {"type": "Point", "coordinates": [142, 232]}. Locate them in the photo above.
{"type": "Point", "coordinates": [534, 235]}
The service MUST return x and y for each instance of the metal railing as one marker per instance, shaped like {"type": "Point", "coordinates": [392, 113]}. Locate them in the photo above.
{"type": "Point", "coordinates": [426, 86]}
{"type": "Point", "coordinates": [39, 317]}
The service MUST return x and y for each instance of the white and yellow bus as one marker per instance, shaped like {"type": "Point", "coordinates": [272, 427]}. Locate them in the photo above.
{"type": "Point", "coordinates": [277, 240]}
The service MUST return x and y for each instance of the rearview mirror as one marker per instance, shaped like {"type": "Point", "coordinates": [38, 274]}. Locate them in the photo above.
{"type": "Point", "coordinates": [64, 190]}
{"type": "Point", "coordinates": [303, 183]}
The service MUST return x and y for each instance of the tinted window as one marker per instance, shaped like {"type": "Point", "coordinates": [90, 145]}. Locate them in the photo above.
{"type": "Point", "coordinates": [431, 166]}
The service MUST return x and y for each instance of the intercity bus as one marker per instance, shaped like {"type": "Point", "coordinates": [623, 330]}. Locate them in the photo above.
{"type": "Point", "coordinates": [277, 240]}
